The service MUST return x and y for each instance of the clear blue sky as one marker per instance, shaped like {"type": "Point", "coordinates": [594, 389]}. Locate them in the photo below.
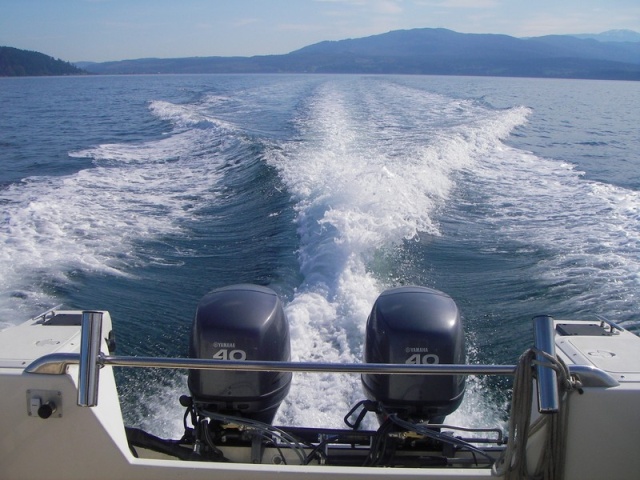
{"type": "Point", "coordinates": [102, 30]}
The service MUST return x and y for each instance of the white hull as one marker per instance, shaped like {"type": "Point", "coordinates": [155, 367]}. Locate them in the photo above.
{"type": "Point", "coordinates": [79, 442]}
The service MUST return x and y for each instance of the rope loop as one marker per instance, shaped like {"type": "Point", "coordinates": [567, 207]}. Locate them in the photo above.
{"type": "Point", "coordinates": [512, 464]}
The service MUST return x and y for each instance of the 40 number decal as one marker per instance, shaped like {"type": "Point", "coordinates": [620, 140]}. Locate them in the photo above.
{"type": "Point", "coordinates": [420, 359]}
{"type": "Point", "coordinates": [226, 354]}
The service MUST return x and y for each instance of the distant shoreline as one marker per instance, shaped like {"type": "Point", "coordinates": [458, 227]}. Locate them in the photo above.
{"type": "Point", "coordinates": [423, 51]}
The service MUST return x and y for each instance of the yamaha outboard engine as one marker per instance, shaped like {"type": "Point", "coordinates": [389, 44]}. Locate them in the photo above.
{"type": "Point", "coordinates": [240, 322]}
{"type": "Point", "coordinates": [415, 325]}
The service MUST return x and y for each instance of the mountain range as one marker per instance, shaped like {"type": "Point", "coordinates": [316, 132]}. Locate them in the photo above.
{"type": "Point", "coordinates": [426, 51]}
{"type": "Point", "coordinates": [429, 51]}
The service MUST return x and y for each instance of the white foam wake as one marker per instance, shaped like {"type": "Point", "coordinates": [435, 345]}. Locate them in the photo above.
{"type": "Point", "coordinates": [588, 230]}
{"type": "Point", "coordinates": [365, 176]}
{"type": "Point", "coordinates": [93, 221]}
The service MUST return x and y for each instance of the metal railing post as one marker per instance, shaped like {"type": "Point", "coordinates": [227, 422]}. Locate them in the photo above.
{"type": "Point", "coordinates": [544, 340]}
{"type": "Point", "coordinates": [89, 369]}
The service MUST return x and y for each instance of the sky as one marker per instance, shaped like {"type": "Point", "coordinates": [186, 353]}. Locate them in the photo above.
{"type": "Point", "coordinates": [104, 30]}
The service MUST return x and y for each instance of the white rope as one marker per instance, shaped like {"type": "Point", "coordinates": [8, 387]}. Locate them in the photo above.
{"type": "Point", "coordinates": [512, 464]}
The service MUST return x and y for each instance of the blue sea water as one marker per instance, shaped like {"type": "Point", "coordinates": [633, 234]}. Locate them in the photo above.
{"type": "Point", "coordinates": [139, 194]}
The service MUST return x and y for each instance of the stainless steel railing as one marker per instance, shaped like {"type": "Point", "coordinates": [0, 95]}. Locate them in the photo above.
{"type": "Point", "coordinates": [89, 371]}
{"type": "Point", "coordinates": [90, 360]}
{"type": "Point", "coordinates": [544, 341]}
{"type": "Point", "coordinates": [268, 366]}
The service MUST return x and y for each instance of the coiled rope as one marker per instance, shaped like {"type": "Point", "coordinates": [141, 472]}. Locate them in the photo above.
{"type": "Point", "coordinates": [512, 464]}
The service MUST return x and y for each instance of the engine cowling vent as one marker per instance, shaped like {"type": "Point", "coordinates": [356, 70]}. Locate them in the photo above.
{"type": "Point", "coordinates": [240, 322]}
{"type": "Point", "coordinates": [415, 325]}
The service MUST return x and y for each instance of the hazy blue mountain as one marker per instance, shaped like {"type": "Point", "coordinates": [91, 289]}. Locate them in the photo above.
{"type": "Point", "coordinates": [17, 63]}
{"type": "Point", "coordinates": [588, 48]}
{"type": "Point", "coordinates": [83, 65]}
{"type": "Point", "coordinates": [422, 51]}
{"type": "Point", "coordinates": [612, 36]}
{"type": "Point", "coordinates": [442, 43]}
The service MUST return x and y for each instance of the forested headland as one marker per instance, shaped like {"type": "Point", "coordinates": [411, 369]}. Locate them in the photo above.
{"type": "Point", "coordinates": [22, 63]}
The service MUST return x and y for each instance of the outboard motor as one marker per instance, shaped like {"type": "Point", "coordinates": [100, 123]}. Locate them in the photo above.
{"type": "Point", "coordinates": [240, 322]}
{"type": "Point", "coordinates": [415, 325]}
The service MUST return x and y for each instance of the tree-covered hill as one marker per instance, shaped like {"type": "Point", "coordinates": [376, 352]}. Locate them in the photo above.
{"type": "Point", "coordinates": [21, 63]}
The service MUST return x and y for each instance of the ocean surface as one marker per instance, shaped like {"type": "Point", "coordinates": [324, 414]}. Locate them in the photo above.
{"type": "Point", "coordinates": [139, 194]}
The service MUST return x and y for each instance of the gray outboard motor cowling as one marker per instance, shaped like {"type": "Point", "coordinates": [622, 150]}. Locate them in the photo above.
{"type": "Point", "coordinates": [415, 325]}
{"type": "Point", "coordinates": [240, 322]}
